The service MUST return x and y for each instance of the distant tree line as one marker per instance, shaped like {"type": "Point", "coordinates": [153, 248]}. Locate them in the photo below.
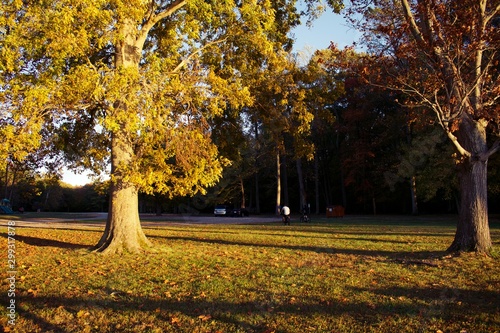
{"type": "Point", "coordinates": [370, 155]}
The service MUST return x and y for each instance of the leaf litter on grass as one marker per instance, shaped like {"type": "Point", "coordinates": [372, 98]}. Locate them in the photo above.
{"type": "Point", "coordinates": [319, 278]}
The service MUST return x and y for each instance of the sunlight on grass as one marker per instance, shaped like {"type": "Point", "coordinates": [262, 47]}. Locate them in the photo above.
{"type": "Point", "coordinates": [348, 276]}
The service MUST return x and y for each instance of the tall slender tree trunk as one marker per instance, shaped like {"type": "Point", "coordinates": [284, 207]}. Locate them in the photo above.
{"type": "Point", "coordinates": [257, 191]}
{"type": "Point", "coordinates": [284, 180]}
{"type": "Point", "coordinates": [342, 188]}
{"type": "Point", "coordinates": [15, 173]}
{"type": "Point", "coordinates": [6, 180]}
{"type": "Point", "coordinates": [302, 190]}
{"type": "Point", "coordinates": [257, 154]}
{"type": "Point", "coordinates": [278, 183]}
{"type": "Point", "coordinates": [316, 181]}
{"type": "Point", "coordinates": [413, 193]}
{"type": "Point", "coordinates": [242, 186]}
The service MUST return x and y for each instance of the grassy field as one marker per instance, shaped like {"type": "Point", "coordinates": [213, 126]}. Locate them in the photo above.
{"type": "Point", "coordinates": [357, 274]}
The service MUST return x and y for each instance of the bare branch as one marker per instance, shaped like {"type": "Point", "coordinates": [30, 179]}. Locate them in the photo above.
{"type": "Point", "coordinates": [417, 34]}
{"type": "Point", "coordinates": [493, 14]}
{"type": "Point", "coordinates": [493, 149]}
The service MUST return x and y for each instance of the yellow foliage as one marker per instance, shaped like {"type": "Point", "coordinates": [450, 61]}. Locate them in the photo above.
{"type": "Point", "coordinates": [135, 70]}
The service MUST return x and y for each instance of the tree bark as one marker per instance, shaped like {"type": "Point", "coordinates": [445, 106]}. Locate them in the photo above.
{"type": "Point", "coordinates": [278, 184]}
{"type": "Point", "coordinates": [316, 181]}
{"type": "Point", "coordinates": [302, 189]}
{"type": "Point", "coordinates": [473, 232]}
{"type": "Point", "coordinates": [284, 180]}
{"type": "Point", "coordinates": [242, 186]}
{"type": "Point", "coordinates": [123, 230]}
{"type": "Point", "coordinates": [413, 193]}
{"type": "Point", "coordinates": [256, 177]}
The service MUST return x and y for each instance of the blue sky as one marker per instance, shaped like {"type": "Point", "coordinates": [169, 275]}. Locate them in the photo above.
{"type": "Point", "coordinates": [329, 27]}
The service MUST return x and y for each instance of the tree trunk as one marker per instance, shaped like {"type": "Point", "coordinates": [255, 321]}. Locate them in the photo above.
{"type": "Point", "coordinates": [284, 180]}
{"type": "Point", "coordinates": [342, 188]}
{"type": "Point", "coordinates": [257, 196]}
{"type": "Point", "coordinates": [278, 184]}
{"type": "Point", "coordinates": [6, 179]}
{"type": "Point", "coordinates": [473, 233]}
{"type": "Point", "coordinates": [302, 190]}
{"type": "Point", "coordinates": [242, 186]}
{"type": "Point", "coordinates": [413, 193]}
{"type": "Point", "coordinates": [123, 230]}
{"type": "Point", "coordinates": [256, 177]}
{"type": "Point", "coordinates": [316, 181]}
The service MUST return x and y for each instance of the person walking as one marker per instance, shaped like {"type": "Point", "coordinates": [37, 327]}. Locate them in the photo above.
{"type": "Point", "coordinates": [285, 212]}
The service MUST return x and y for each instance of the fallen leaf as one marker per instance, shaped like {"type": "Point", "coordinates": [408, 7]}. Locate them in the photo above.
{"type": "Point", "coordinates": [205, 317]}
{"type": "Point", "coordinates": [82, 313]}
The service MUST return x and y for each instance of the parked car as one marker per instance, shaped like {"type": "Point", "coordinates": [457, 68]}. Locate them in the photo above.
{"type": "Point", "coordinates": [221, 210]}
{"type": "Point", "coordinates": [239, 212]}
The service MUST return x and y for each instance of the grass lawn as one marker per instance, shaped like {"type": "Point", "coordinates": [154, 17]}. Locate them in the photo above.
{"type": "Point", "coordinates": [357, 274]}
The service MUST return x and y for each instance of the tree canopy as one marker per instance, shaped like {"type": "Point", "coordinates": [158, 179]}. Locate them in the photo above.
{"type": "Point", "coordinates": [134, 84]}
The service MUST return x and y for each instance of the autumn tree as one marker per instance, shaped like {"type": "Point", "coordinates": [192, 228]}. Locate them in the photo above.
{"type": "Point", "coordinates": [133, 83]}
{"type": "Point", "coordinates": [323, 88]}
{"type": "Point", "coordinates": [444, 56]}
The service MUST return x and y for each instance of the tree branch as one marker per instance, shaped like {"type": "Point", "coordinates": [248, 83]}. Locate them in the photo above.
{"type": "Point", "coordinates": [493, 149]}
{"type": "Point", "coordinates": [155, 18]}
{"type": "Point", "coordinates": [457, 144]}
{"type": "Point", "coordinates": [417, 34]}
{"type": "Point", "coordinates": [185, 61]}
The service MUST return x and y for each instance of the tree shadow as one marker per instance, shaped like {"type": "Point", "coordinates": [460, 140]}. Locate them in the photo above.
{"type": "Point", "coordinates": [36, 241]}
{"type": "Point", "coordinates": [426, 305]}
{"type": "Point", "coordinates": [394, 255]}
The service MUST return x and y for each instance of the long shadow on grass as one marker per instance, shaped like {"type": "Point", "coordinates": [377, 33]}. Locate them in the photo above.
{"type": "Point", "coordinates": [326, 233]}
{"type": "Point", "coordinates": [35, 241]}
{"type": "Point", "coordinates": [452, 304]}
{"type": "Point", "coordinates": [425, 305]}
{"type": "Point", "coordinates": [41, 323]}
{"type": "Point", "coordinates": [317, 249]}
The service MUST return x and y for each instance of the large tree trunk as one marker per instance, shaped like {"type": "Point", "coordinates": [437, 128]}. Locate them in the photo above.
{"type": "Point", "coordinates": [473, 233]}
{"type": "Point", "coordinates": [123, 230]}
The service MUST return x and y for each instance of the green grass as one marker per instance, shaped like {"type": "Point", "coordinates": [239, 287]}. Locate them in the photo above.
{"type": "Point", "coordinates": [363, 274]}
